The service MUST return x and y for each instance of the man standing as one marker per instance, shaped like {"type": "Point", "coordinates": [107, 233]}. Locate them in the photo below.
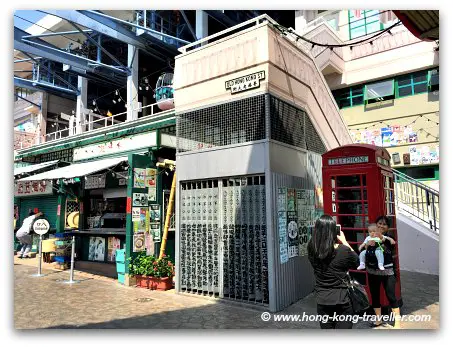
{"type": "Point", "coordinates": [23, 234]}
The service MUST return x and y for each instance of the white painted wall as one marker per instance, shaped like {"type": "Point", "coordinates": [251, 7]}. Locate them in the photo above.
{"type": "Point", "coordinates": [418, 247]}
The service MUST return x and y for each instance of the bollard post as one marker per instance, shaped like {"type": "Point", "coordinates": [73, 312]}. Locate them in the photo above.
{"type": "Point", "coordinates": [39, 274]}
{"type": "Point", "coordinates": [71, 272]}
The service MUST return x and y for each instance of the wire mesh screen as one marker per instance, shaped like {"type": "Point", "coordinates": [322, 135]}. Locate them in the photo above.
{"type": "Point", "coordinates": [220, 125]}
{"type": "Point", "coordinates": [223, 244]}
{"type": "Point", "coordinates": [71, 206]}
{"type": "Point", "coordinates": [293, 126]}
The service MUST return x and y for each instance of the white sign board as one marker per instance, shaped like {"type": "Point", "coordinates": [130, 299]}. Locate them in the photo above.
{"type": "Point", "coordinates": [116, 146]}
{"type": "Point", "coordinates": [41, 226]}
{"type": "Point", "coordinates": [29, 188]}
{"type": "Point", "coordinates": [244, 83]}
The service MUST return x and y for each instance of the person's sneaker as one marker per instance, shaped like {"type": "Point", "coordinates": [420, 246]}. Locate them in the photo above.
{"type": "Point", "coordinates": [361, 267]}
{"type": "Point", "coordinates": [381, 267]}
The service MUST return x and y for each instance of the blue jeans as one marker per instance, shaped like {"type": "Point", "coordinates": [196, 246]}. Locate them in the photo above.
{"type": "Point", "coordinates": [379, 255]}
{"type": "Point", "coordinates": [26, 242]}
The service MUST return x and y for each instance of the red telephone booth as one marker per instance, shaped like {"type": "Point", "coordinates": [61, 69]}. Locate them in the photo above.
{"type": "Point", "coordinates": [358, 188]}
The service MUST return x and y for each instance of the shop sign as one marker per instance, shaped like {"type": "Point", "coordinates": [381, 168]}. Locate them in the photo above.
{"type": "Point", "coordinates": [116, 146]}
{"type": "Point", "coordinates": [95, 181]}
{"type": "Point", "coordinates": [41, 226]}
{"type": "Point", "coordinates": [244, 83]}
{"type": "Point", "coordinates": [349, 160]}
{"type": "Point", "coordinates": [29, 188]}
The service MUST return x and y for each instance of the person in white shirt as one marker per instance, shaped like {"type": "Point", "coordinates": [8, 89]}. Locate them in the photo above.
{"type": "Point", "coordinates": [23, 234]}
{"type": "Point", "coordinates": [374, 237]}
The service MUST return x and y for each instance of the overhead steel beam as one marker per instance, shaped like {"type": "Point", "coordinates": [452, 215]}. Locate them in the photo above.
{"type": "Point", "coordinates": [23, 60]}
{"type": "Point", "coordinates": [45, 50]}
{"type": "Point", "coordinates": [39, 86]}
{"type": "Point", "coordinates": [188, 24]}
{"type": "Point", "coordinates": [106, 27]}
{"type": "Point", "coordinates": [31, 102]}
{"type": "Point", "coordinates": [59, 33]}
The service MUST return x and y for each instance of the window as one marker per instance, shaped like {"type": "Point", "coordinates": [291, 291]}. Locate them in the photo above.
{"type": "Point", "coordinates": [411, 84]}
{"type": "Point", "coordinates": [380, 91]}
{"type": "Point", "coordinates": [364, 22]}
{"type": "Point", "coordinates": [348, 97]}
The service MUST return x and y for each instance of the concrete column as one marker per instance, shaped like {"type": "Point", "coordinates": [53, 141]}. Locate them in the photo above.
{"type": "Point", "coordinates": [81, 104]}
{"type": "Point", "coordinates": [132, 83]}
{"type": "Point", "coordinates": [41, 118]}
{"type": "Point", "coordinates": [201, 24]}
{"type": "Point", "coordinates": [145, 111]}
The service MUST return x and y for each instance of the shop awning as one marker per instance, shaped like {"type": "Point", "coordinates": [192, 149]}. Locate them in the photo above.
{"type": "Point", "coordinates": [76, 170]}
{"type": "Point", "coordinates": [32, 168]}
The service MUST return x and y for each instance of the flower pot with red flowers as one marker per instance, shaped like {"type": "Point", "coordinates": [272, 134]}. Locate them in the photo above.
{"type": "Point", "coordinates": [151, 272]}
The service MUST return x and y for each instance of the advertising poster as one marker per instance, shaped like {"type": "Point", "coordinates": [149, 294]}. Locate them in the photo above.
{"type": "Point", "coordinates": [139, 242]}
{"type": "Point", "coordinates": [291, 200]}
{"type": "Point", "coordinates": [150, 177]}
{"type": "Point", "coordinates": [301, 201]}
{"type": "Point", "coordinates": [144, 220]}
{"type": "Point", "coordinates": [96, 250]}
{"type": "Point", "coordinates": [415, 155]}
{"type": "Point", "coordinates": [281, 200]}
{"type": "Point", "coordinates": [154, 213]}
{"type": "Point", "coordinates": [413, 137]}
{"type": "Point", "coordinates": [425, 155]}
{"type": "Point", "coordinates": [283, 238]}
{"type": "Point", "coordinates": [152, 194]}
{"type": "Point", "coordinates": [149, 244]}
{"type": "Point", "coordinates": [293, 232]}
{"type": "Point", "coordinates": [319, 197]}
{"type": "Point", "coordinates": [139, 199]}
{"type": "Point", "coordinates": [155, 231]}
{"type": "Point", "coordinates": [304, 237]}
{"type": "Point", "coordinates": [386, 134]}
{"type": "Point", "coordinates": [135, 214]}
{"type": "Point", "coordinates": [113, 244]}
{"type": "Point", "coordinates": [139, 178]}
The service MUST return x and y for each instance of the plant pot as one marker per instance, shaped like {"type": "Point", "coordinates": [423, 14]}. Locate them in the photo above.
{"type": "Point", "coordinates": [154, 283]}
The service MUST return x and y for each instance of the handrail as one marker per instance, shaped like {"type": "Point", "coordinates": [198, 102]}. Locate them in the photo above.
{"type": "Point", "coordinates": [417, 199]}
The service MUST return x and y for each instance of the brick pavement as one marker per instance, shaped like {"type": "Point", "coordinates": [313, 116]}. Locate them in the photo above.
{"type": "Point", "coordinates": [99, 302]}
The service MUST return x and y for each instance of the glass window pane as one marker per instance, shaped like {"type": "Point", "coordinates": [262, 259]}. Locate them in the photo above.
{"type": "Point", "coordinates": [357, 32]}
{"type": "Point", "coordinates": [434, 80]}
{"type": "Point", "coordinates": [357, 100]}
{"type": "Point", "coordinates": [379, 89]}
{"type": "Point", "coordinates": [351, 221]}
{"type": "Point", "coordinates": [349, 194]}
{"type": "Point", "coordinates": [350, 208]}
{"type": "Point", "coordinates": [420, 76]}
{"type": "Point", "coordinates": [342, 93]}
{"type": "Point", "coordinates": [405, 91]}
{"type": "Point", "coordinates": [348, 181]}
{"type": "Point", "coordinates": [420, 88]}
{"type": "Point", "coordinates": [404, 80]}
{"type": "Point", "coordinates": [344, 103]}
{"type": "Point", "coordinates": [357, 90]}
{"type": "Point", "coordinates": [355, 23]}
{"type": "Point", "coordinates": [373, 27]}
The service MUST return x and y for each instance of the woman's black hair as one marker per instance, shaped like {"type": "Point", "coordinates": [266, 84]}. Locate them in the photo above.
{"type": "Point", "coordinates": [383, 218]}
{"type": "Point", "coordinates": [322, 242]}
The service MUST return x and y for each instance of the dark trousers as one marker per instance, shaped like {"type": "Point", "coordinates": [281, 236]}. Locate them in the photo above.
{"type": "Point", "coordinates": [389, 284]}
{"type": "Point", "coordinates": [340, 309]}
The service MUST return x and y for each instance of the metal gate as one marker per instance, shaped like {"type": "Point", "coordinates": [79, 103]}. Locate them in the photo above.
{"type": "Point", "coordinates": [223, 243]}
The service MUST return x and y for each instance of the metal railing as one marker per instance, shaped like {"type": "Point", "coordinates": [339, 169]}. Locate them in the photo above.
{"type": "Point", "coordinates": [100, 122]}
{"type": "Point", "coordinates": [418, 200]}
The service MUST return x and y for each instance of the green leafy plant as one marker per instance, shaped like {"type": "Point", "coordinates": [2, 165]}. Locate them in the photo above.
{"type": "Point", "coordinates": [149, 265]}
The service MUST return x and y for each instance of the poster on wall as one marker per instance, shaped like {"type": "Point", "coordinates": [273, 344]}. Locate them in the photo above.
{"type": "Point", "coordinates": [293, 232]}
{"type": "Point", "coordinates": [291, 200]}
{"type": "Point", "coordinates": [150, 177]}
{"type": "Point", "coordinates": [281, 199]}
{"type": "Point", "coordinates": [283, 238]}
{"type": "Point", "coordinates": [149, 244]}
{"type": "Point", "coordinates": [139, 178]}
{"type": "Point", "coordinates": [96, 250]}
{"type": "Point", "coordinates": [152, 194]}
{"type": "Point", "coordinates": [135, 214]}
{"type": "Point", "coordinates": [144, 220]}
{"type": "Point", "coordinates": [415, 155]}
{"type": "Point", "coordinates": [154, 213]}
{"type": "Point", "coordinates": [155, 231]}
{"type": "Point", "coordinates": [139, 242]}
{"type": "Point", "coordinates": [139, 199]}
{"type": "Point", "coordinates": [305, 235]}
{"type": "Point", "coordinates": [113, 243]}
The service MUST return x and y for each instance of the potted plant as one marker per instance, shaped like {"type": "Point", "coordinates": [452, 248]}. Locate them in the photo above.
{"type": "Point", "coordinates": [151, 272]}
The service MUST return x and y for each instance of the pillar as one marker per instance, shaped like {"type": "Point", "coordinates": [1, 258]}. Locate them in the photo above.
{"type": "Point", "coordinates": [201, 24]}
{"type": "Point", "coordinates": [81, 104]}
{"type": "Point", "coordinates": [132, 83]}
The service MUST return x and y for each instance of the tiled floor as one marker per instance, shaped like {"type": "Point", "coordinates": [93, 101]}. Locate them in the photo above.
{"type": "Point", "coordinates": [100, 302]}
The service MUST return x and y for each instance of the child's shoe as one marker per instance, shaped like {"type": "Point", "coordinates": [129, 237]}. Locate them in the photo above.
{"type": "Point", "coordinates": [361, 266]}
{"type": "Point", "coordinates": [381, 267]}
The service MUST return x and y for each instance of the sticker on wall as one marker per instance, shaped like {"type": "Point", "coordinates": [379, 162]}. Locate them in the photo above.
{"type": "Point", "coordinates": [155, 231]}
{"type": "Point", "coordinates": [154, 212]}
{"type": "Point", "coordinates": [139, 178]}
{"type": "Point", "coordinates": [136, 214]}
{"type": "Point", "coordinates": [140, 199]}
{"type": "Point", "coordinates": [283, 239]}
{"type": "Point", "coordinates": [334, 208]}
{"type": "Point", "coordinates": [150, 177]}
{"type": "Point", "coordinates": [139, 242]}
{"type": "Point", "coordinates": [152, 194]}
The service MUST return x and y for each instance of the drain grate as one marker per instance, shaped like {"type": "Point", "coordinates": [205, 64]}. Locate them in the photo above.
{"type": "Point", "coordinates": [144, 299]}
